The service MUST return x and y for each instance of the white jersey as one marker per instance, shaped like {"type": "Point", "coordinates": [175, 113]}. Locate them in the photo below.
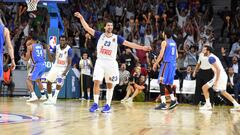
{"type": "Point", "coordinates": [222, 82]}
{"type": "Point", "coordinates": [61, 59]}
{"type": "Point", "coordinates": [107, 46]}
{"type": "Point", "coordinates": [214, 59]}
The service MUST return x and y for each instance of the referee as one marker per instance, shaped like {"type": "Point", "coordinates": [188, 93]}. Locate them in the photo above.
{"type": "Point", "coordinates": [203, 74]}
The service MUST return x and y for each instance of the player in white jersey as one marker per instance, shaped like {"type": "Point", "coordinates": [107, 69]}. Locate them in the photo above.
{"type": "Point", "coordinates": [60, 68]}
{"type": "Point", "coordinates": [106, 64]}
{"type": "Point", "coordinates": [219, 81]}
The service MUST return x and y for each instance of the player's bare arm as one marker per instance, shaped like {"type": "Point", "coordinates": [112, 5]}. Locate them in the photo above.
{"type": "Point", "coordinates": [51, 56]}
{"type": "Point", "coordinates": [9, 47]}
{"type": "Point", "coordinates": [84, 23]}
{"type": "Point", "coordinates": [68, 66]}
{"type": "Point", "coordinates": [27, 55]}
{"type": "Point", "coordinates": [160, 56]}
{"type": "Point", "coordinates": [136, 46]}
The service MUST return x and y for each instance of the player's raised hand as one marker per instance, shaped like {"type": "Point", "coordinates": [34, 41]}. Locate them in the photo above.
{"type": "Point", "coordinates": [147, 48]}
{"type": "Point", "coordinates": [78, 15]}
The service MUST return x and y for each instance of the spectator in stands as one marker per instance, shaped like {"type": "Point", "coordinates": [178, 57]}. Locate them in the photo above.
{"type": "Point", "coordinates": [135, 87]}
{"type": "Point", "coordinates": [129, 58]}
{"type": "Point", "coordinates": [86, 66]}
{"type": "Point", "coordinates": [235, 48]}
{"type": "Point", "coordinates": [233, 84]}
{"type": "Point", "coordinates": [123, 82]}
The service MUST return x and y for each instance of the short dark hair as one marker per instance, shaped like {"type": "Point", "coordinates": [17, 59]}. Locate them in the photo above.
{"type": "Point", "coordinates": [107, 21]}
{"type": "Point", "coordinates": [209, 48]}
{"type": "Point", "coordinates": [62, 36]}
{"type": "Point", "coordinates": [168, 32]}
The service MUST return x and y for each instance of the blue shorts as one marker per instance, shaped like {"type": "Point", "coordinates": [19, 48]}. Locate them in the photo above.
{"type": "Point", "coordinates": [37, 71]}
{"type": "Point", "coordinates": [167, 72]}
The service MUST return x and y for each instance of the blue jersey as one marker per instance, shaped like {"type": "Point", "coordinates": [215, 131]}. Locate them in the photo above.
{"type": "Point", "coordinates": [1, 37]}
{"type": "Point", "coordinates": [170, 51]}
{"type": "Point", "coordinates": [37, 54]}
{"type": "Point", "coordinates": [1, 49]}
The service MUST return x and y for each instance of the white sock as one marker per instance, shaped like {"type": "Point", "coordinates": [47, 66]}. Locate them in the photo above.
{"type": "Point", "coordinates": [235, 103]}
{"type": "Point", "coordinates": [49, 96]}
{"type": "Point", "coordinates": [82, 94]}
{"type": "Point", "coordinates": [109, 95]}
{"type": "Point", "coordinates": [172, 97]}
{"type": "Point", "coordinates": [56, 93]}
{"type": "Point", "coordinates": [208, 102]}
{"type": "Point", "coordinates": [33, 94]}
{"type": "Point", "coordinates": [163, 99]}
{"type": "Point", "coordinates": [88, 94]}
{"type": "Point", "coordinates": [96, 98]}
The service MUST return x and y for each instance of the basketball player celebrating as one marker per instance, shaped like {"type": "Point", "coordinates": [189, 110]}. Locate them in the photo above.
{"type": "Point", "coordinates": [219, 81]}
{"type": "Point", "coordinates": [36, 54]}
{"type": "Point", "coordinates": [106, 64]}
{"type": "Point", "coordinates": [63, 59]}
{"type": "Point", "coordinates": [168, 56]}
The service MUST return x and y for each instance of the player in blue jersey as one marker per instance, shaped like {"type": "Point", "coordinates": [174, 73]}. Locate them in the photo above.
{"type": "Point", "coordinates": [167, 57]}
{"type": "Point", "coordinates": [5, 39]}
{"type": "Point", "coordinates": [36, 54]}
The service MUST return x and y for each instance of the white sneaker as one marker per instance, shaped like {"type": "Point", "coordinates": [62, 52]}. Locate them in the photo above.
{"type": "Point", "coordinates": [124, 100]}
{"type": "Point", "coordinates": [235, 108]}
{"type": "Point", "coordinates": [32, 99]}
{"type": "Point", "coordinates": [129, 100]}
{"type": "Point", "coordinates": [206, 107]}
{"type": "Point", "coordinates": [43, 97]}
{"type": "Point", "coordinates": [48, 102]}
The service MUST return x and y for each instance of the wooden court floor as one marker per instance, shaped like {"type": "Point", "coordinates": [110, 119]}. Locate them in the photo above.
{"type": "Point", "coordinates": [71, 117]}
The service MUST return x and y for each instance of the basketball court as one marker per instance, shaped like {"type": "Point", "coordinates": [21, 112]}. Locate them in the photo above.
{"type": "Point", "coordinates": [72, 117]}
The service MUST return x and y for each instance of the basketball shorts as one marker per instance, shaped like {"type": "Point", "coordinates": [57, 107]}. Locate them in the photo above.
{"type": "Point", "coordinates": [37, 71]}
{"type": "Point", "coordinates": [167, 73]}
{"type": "Point", "coordinates": [55, 74]}
{"type": "Point", "coordinates": [221, 85]}
{"type": "Point", "coordinates": [107, 69]}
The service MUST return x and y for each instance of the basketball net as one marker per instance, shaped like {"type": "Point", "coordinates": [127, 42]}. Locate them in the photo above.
{"type": "Point", "coordinates": [32, 5]}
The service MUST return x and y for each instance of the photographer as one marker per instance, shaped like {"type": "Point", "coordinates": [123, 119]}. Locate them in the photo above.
{"type": "Point", "coordinates": [135, 86]}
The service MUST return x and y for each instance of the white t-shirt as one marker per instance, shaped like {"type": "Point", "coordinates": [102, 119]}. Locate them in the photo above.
{"type": "Point", "coordinates": [204, 62]}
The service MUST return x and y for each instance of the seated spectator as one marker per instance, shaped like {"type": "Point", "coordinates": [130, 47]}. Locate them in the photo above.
{"type": "Point", "coordinates": [123, 82]}
{"type": "Point", "coordinates": [233, 84]}
{"type": "Point", "coordinates": [135, 88]}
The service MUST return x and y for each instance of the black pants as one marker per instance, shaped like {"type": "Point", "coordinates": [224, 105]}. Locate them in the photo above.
{"type": "Point", "coordinates": [85, 83]}
{"type": "Point", "coordinates": [202, 78]}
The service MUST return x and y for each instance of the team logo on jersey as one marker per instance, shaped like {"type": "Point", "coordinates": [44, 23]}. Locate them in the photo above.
{"type": "Point", "coordinates": [8, 118]}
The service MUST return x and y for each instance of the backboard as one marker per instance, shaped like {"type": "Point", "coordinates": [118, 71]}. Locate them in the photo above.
{"type": "Point", "coordinates": [57, 1]}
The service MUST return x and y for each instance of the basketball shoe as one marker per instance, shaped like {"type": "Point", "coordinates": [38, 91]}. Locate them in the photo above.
{"type": "Point", "coordinates": [106, 109]}
{"type": "Point", "coordinates": [162, 106]}
{"type": "Point", "coordinates": [173, 104]}
{"type": "Point", "coordinates": [206, 107]}
{"type": "Point", "coordinates": [94, 107]}
{"type": "Point", "coordinates": [33, 98]}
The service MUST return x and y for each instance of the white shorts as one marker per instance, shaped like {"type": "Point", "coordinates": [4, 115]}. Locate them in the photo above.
{"type": "Point", "coordinates": [108, 69]}
{"type": "Point", "coordinates": [222, 83]}
{"type": "Point", "coordinates": [54, 73]}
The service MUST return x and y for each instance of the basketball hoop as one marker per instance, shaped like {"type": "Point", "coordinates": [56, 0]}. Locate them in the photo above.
{"type": "Point", "coordinates": [32, 5]}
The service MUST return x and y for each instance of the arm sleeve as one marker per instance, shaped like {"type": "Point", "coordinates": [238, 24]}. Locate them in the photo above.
{"type": "Point", "coordinates": [70, 52]}
{"type": "Point", "coordinates": [211, 60]}
{"type": "Point", "coordinates": [97, 34]}
{"type": "Point", "coordinates": [120, 40]}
